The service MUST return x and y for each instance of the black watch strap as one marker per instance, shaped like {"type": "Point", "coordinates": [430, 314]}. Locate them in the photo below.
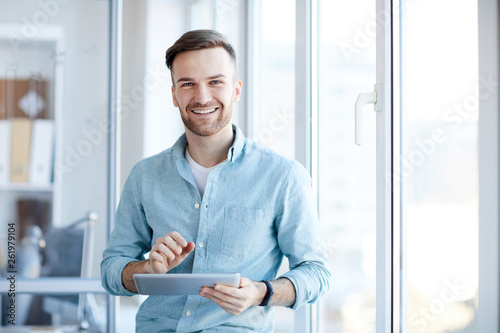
{"type": "Point", "coordinates": [269, 294]}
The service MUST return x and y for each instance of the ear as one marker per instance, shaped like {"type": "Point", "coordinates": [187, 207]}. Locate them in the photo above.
{"type": "Point", "coordinates": [237, 91]}
{"type": "Point", "coordinates": [174, 99]}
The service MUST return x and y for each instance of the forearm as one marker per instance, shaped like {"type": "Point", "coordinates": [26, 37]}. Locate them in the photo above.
{"type": "Point", "coordinates": [134, 267]}
{"type": "Point", "coordinates": [284, 292]}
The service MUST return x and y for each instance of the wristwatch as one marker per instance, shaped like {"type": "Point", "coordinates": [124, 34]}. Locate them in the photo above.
{"type": "Point", "coordinates": [269, 294]}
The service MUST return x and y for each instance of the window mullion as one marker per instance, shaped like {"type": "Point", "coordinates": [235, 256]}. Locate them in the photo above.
{"type": "Point", "coordinates": [304, 319]}
{"type": "Point", "coordinates": [384, 232]}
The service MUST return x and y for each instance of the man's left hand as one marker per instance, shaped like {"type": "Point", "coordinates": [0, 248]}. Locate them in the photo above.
{"type": "Point", "coordinates": [236, 300]}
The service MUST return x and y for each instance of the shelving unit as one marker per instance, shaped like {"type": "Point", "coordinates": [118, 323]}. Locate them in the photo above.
{"type": "Point", "coordinates": [22, 55]}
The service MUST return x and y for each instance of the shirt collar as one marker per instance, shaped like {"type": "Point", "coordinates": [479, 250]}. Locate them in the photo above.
{"type": "Point", "coordinates": [238, 144]}
{"type": "Point", "coordinates": [233, 153]}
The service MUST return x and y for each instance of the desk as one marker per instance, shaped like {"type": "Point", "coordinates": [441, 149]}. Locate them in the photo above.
{"type": "Point", "coordinates": [54, 286]}
{"type": "Point", "coordinates": [39, 329]}
{"type": "Point", "coordinates": [50, 286]}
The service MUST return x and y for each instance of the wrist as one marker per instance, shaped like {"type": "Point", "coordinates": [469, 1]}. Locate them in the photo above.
{"type": "Point", "coordinates": [261, 292]}
{"type": "Point", "coordinates": [147, 268]}
{"type": "Point", "coordinates": [269, 294]}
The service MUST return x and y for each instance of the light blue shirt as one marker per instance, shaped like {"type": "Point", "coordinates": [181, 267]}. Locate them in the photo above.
{"type": "Point", "coordinates": [257, 207]}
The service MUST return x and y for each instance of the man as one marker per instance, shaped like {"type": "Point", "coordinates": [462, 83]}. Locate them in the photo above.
{"type": "Point", "coordinates": [215, 202]}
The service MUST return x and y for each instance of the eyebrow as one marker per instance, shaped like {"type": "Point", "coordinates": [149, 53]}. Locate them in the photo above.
{"type": "Point", "coordinates": [184, 79]}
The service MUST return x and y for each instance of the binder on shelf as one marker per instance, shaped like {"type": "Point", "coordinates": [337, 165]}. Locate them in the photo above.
{"type": "Point", "coordinates": [5, 135]}
{"type": "Point", "coordinates": [40, 172]}
{"type": "Point", "coordinates": [24, 98]}
{"type": "Point", "coordinates": [3, 99]}
{"type": "Point", "coordinates": [20, 150]}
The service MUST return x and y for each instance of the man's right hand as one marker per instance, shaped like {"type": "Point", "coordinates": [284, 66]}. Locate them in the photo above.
{"type": "Point", "coordinates": [168, 252]}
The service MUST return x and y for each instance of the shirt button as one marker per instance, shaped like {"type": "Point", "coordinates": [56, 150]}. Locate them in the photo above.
{"type": "Point", "coordinates": [188, 313]}
{"type": "Point", "coordinates": [197, 206]}
{"type": "Point", "coordinates": [201, 244]}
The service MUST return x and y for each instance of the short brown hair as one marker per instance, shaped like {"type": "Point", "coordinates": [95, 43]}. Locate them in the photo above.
{"type": "Point", "coordinates": [198, 40]}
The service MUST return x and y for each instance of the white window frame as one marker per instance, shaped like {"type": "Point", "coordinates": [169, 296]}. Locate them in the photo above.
{"type": "Point", "coordinates": [489, 166]}
{"type": "Point", "coordinates": [306, 119]}
{"type": "Point", "coordinates": [384, 154]}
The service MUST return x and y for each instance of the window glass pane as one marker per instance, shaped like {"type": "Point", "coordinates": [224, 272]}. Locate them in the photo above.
{"type": "Point", "coordinates": [347, 171]}
{"type": "Point", "coordinates": [440, 164]}
{"type": "Point", "coordinates": [274, 72]}
{"type": "Point", "coordinates": [54, 76]}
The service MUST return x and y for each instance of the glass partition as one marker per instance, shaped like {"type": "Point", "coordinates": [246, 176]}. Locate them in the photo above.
{"type": "Point", "coordinates": [54, 83]}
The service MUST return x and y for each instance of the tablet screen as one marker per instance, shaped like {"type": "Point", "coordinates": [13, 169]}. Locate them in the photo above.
{"type": "Point", "coordinates": [181, 284]}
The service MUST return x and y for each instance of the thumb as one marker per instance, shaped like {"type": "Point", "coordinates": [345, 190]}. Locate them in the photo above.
{"type": "Point", "coordinates": [188, 249]}
{"type": "Point", "coordinates": [245, 282]}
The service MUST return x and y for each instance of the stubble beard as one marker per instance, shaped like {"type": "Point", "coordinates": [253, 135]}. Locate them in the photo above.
{"type": "Point", "coordinates": [211, 128]}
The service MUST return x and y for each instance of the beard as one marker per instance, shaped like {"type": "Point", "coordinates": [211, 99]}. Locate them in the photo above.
{"type": "Point", "coordinates": [206, 127]}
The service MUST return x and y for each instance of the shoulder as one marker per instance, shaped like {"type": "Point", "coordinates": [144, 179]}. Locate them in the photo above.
{"type": "Point", "coordinates": [271, 159]}
{"type": "Point", "coordinates": [255, 148]}
{"type": "Point", "coordinates": [152, 164]}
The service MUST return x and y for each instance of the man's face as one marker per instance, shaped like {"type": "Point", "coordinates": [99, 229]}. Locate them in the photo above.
{"type": "Point", "coordinates": [204, 89]}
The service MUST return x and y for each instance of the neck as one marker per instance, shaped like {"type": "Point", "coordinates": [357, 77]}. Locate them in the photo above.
{"type": "Point", "coordinates": [209, 151]}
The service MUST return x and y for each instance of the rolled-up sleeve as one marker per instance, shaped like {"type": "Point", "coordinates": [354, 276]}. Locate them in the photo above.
{"type": "Point", "coordinates": [300, 239]}
{"type": "Point", "coordinates": [130, 239]}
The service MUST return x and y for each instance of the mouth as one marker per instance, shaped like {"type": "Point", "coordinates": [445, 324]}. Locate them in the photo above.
{"type": "Point", "coordinates": [204, 111]}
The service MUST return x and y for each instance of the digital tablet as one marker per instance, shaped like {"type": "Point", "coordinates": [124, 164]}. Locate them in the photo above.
{"type": "Point", "coordinates": [181, 284]}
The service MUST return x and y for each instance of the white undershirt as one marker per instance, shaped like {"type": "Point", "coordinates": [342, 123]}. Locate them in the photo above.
{"type": "Point", "coordinates": [200, 173]}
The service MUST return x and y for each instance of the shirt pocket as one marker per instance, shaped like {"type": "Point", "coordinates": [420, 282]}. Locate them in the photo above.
{"type": "Point", "coordinates": [243, 230]}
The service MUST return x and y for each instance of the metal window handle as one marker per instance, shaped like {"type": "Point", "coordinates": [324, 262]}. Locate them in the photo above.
{"type": "Point", "coordinates": [364, 99]}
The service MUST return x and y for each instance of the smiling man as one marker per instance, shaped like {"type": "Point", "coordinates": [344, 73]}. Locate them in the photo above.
{"type": "Point", "coordinates": [215, 202]}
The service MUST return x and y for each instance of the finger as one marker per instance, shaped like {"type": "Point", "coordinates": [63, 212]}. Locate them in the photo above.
{"type": "Point", "coordinates": [188, 249]}
{"type": "Point", "coordinates": [154, 255]}
{"type": "Point", "coordinates": [178, 238]}
{"type": "Point", "coordinates": [227, 303]}
{"type": "Point", "coordinates": [245, 282]}
{"type": "Point", "coordinates": [227, 290]}
{"type": "Point", "coordinates": [229, 295]}
{"type": "Point", "coordinates": [211, 292]}
{"type": "Point", "coordinates": [216, 300]}
{"type": "Point", "coordinates": [170, 243]}
{"type": "Point", "coordinates": [173, 245]}
{"type": "Point", "coordinates": [165, 251]}
{"type": "Point", "coordinates": [220, 298]}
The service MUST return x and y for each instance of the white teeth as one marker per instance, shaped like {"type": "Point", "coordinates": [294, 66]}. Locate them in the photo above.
{"type": "Point", "coordinates": [203, 111]}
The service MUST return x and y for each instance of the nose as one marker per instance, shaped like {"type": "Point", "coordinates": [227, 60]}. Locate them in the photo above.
{"type": "Point", "coordinates": [203, 95]}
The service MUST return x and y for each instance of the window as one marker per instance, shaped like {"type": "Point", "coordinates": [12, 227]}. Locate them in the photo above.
{"type": "Point", "coordinates": [273, 111]}
{"type": "Point", "coordinates": [438, 107]}
{"type": "Point", "coordinates": [346, 177]}
{"type": "Point", "coordinates": [440, 165]}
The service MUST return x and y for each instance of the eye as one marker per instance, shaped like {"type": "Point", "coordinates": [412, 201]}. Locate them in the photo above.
{"type": "Point", "coordinates": [187, 84]}
{"type": "Point", "coordinates": [215, 82]}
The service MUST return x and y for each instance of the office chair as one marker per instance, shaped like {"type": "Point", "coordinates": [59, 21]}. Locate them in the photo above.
{"type": "Point", "coordinates": [69, 252]}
